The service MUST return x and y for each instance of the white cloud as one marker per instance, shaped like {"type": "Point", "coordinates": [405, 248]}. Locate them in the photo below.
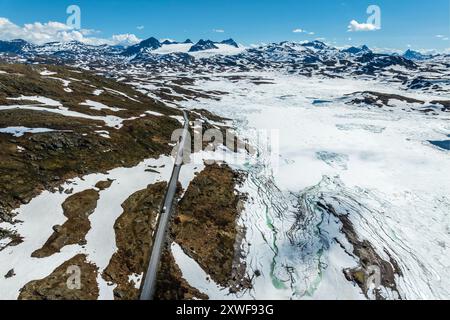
{"type": "Point", "coordinates": [40, 33]}
{"type": "Point", "coordinates": [125, 39]}
{"type": "Point", "coordinates": [299, 30]}
{"type": "Point", "coordinates": [355, 26]}
{"type": "Point", "coordinates": [219, 30]}
{"type": "Point", "coordinates": [440, 36]}
{"type": "Point", "coordinates": [140, 27]}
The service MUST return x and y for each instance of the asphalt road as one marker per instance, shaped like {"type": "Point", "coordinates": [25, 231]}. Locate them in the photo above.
{"type": "Point", "coordinates": [149, 286]}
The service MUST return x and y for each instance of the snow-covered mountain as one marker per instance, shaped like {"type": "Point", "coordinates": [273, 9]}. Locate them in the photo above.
{"type": "Point", "coordinates": [149, 44]}
{"type": "Point", "coordinates": [203, 45]}
{"type": "Point", "coordinates": [413, 69]}
{"type": "Point", "coordinates": [414, 55]}
{"type": "Point", "coordinates": [358, 50]}
{"type": "Point", "coordinates": [15, 46]}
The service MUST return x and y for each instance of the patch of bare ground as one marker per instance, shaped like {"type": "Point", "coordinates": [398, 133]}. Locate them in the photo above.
{"type": "Point", "coordinates": [182, 93]}
{"type": "Point", "coordinates": [77, 208]}
{"type": "Point", "coordinates": [103, 185]}
{"type": "Point", "coordinates": [368, 259]}
{"type": "Point", "coordinates": [134, 239]}
{"type": "Point", "coordinates": [13, 239]}
{"type": "Point", "coordinates": [205, 225]}
{"type": "Point", "coordinates": [207, 115]}
{"type": "Point", "coordinates": [59, 285]}
{"type": "Point", "coordinates": [254, 80]}
{"type": "Point", "coordinates": [170, 283]}
{"type": "Point", "coordinates": [444, 103]}
{"type": "Point", "coordinates": [379, 99]}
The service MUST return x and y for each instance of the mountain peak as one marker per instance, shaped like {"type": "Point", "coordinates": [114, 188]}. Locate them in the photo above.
{"type": "Point", "coordinates": [230, 42]}
{"type": "Point", "coordinates": [167, 41]}
{"type": "Point", "coordinates": [357, 50]}
{"type": "Point", "coordinates": [316, 44]}
{"type": "Point", "coordinates": [415, 55]}
{"type": "Point", "coordinates": [203, 45]}
{"type": "Point", "coordinates": [14, 46]}
{"type": "Point", "coordinates": [150, 43]}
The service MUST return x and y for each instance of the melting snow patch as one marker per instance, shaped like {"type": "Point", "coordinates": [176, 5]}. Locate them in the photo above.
{"type": "Point", "coordinates": [65, 83]}
{"type": "Point", "coordinates": [153, 113]}
{"type": "Point", "coordinates": [110, 121]}
{"type": "Point", "coordinates": [42, 100]}
{"type": "Point", "coordinates": [99, 106]}
{"type": "Point", "coordinates": [180, 119]}
{"type": "Point", "coordinates": [136, 279]}
{"type": "Point", "coordinates": [196, 276]}
{"type": "Point", "coordinates": [47, 73]}
{"type": "Point", "coordinates": [103, 133]}
{"type": "Point", "coordinates": [121, 94]}
{"type": "Point", "coordinates": [20, 131]}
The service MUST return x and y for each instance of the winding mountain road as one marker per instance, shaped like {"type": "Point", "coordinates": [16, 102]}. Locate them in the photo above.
{"type": "Point", "coordinates": [149, 286]}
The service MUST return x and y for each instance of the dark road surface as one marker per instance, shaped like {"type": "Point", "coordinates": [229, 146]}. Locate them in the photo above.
{"type": "Point", "coordinates": [148, 288]}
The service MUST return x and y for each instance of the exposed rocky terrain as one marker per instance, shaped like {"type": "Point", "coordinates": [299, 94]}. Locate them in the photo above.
{"type": "Point", "coordinates": [134, 231]}
{"type": "Point", "coordinates": [77, 209]}
{"type": "Point", "coordinates": [86, 143]}
{"type": "Point", "coordinates": [205, 225]}
{"type": "Point", "coordinates": [55, 286]}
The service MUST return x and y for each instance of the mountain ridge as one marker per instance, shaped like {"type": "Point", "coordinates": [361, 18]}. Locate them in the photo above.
{"type": "Point", "coordinates": [302, 58]}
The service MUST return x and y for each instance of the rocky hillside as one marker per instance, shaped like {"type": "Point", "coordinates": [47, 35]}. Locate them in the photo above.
{"type": "Point", "coordinates": [57, 123]}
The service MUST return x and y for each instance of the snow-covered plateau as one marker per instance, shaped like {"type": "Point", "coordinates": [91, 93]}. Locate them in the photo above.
{"type": "Point", "coordinates": [375, 165]}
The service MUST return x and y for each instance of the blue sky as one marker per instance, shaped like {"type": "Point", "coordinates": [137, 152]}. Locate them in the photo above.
{"type": "Point", "coordinates": [420, 24]}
